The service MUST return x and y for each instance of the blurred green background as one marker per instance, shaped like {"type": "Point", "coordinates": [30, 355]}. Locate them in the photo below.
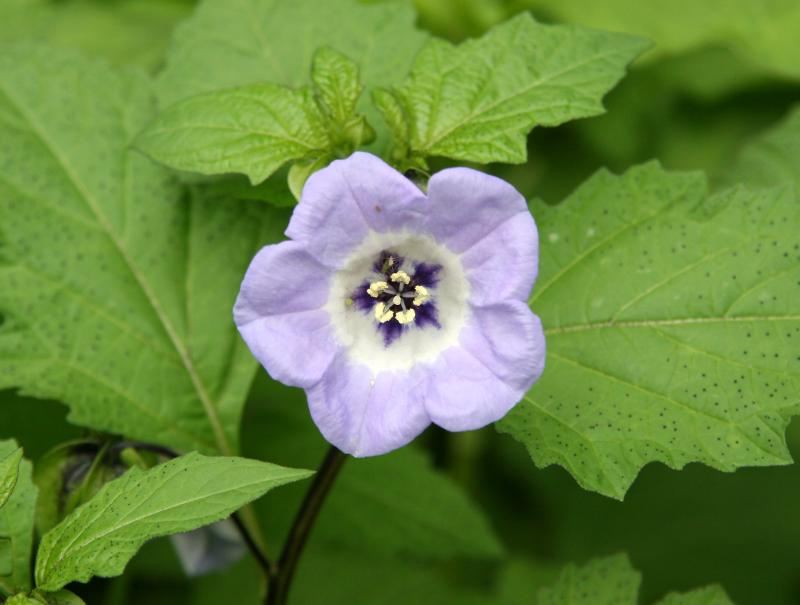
{"type": "Point", "coordinates": [719, 73]}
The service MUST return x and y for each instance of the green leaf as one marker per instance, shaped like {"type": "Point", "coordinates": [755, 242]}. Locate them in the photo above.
{"type": "Point", "coordinates": [16, 527]}
{"type": "Point", "coordinates": [671, 323]}
{"type": "Point", "coordinates": [228, 43]}
{"type": "Point", "coordinates": [712, 595]}
{"type": "Point", "coordinates": [479, 100]}
{"type": "Point", "coordinates": [37, 597]}
{"type": "Point", "coordinates": [400, 503]}
{"type": "Point", "coordinates": [612, 581]}
{"type": "Point", "coordinates": [397, 504]}
{"type": "Point", "coordinates": [60, 597]}
{"type": "Point", "coordinates": [300, 171]}
{"type": "Point", "coordinates": [337, 88]}
{"type": "Point", "coordinates": [253, 130]}
{"type": "Point", "coordinates": [774, 159]}
{"type": "Point", "coordinates": [100, 537]}
{"type": "Point", "coordinates": [764, 33]}
{"type": "Point", "coordinates": [394, 115]}
{"type": "Point", "coordinates": [608, 581]}
{"type": "Point", "coordinates": [115, 285]}
{"type": "Point", "coordinates": [123, 31]}
{"type": "Point", "coordinates": [336, 84]}
{"type": "Point", "coordinates": [347, 577]}
{"type": "Point", "coordinates": [9, 469]}
{"type": "Point", "coordinates": [23, 599]}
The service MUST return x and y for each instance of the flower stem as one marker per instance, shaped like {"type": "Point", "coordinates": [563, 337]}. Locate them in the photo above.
{"type": "Point", "coordinates": [259, 555]}
{"type": "Point", "coordinates": [283, 572]}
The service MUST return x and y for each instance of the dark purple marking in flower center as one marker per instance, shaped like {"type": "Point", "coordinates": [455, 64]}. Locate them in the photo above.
{"type": "Point", "coordinates": [399, 297]}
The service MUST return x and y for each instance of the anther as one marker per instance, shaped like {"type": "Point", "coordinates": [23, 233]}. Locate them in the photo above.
{"type": "Point", "coordinates": [406, 317]}
{"type": "Point", "coordinates": [382, 314]}
{"type": "Point", "coordinates": [401, 277]}
{"type": "Point", "coordinates": [422, 295]}
{"type": "Point", "coordinates": [375, 288]}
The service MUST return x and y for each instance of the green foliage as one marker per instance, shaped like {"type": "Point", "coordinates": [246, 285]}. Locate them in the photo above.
{"type": "Point", "coordinates": [477, 101]}
{"type": "Point", "coordinates": [774, 159]}
{"type": "Point", "coordinates": [106, 262]}
{"type": "Point", "coordinates": [671, 314]}
{"type": "Point", "coordinates": [38, 597]}
{"type": "Point", "coordinates": [397, 504]}
{"type": "Point", "coordinates": [609, 581]}
{"type": "Point", "coordinates": [9, 470]}
{"type": "Point", "coordinates": [123, 31]}
{"type": "Point", "coordinates": [662, 344]}
{"type": "Point", "coordinates": [389, 582]}
{"type": "Point", "coordinates": [16, 527]}
{"type": "Point", "coordinates": [255, 129]}
{"type": "Point", "coordinates": [713, 595]}
{"type": "Point", "coordinates": [612, 581]}
{"type": "Point", "coordinates": [400, 504]}
{"type": "Point", "coordinates": [69, 475]}
{"type": "Point", "coordinates": [228, 43]}
{"type": "Point", "coordinates": [252, 130]}
{"type": "Point", "coordinates": [100, 537]}
{"type": "Point", "coordinates": [763, 32]}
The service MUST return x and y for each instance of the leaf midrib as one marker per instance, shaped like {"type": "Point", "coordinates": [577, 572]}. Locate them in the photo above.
{"type": "Point", "coordinates": [182, 351]}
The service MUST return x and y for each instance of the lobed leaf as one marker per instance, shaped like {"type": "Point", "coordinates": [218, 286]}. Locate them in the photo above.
{"type": "Point", "coordinates": [252, 130]}
{"type": "Point", "coordinates": [612, 581]}
{"type": "Point", "coordinates": [37, 597]}
{"type": "Point", "coordinates": [123, 31]}
{"type": "Point", "coordinates": [229, 43]}
{"type": "Point", "coordinates": [671, 322]}
{"type": "Point", "coordinates": [336, 83]}
{"type": "Point", "coordinates": [772, 160]}
{"type": "Point", "coordinates": [9, 470]}
{"type": "Point", "coordinates": [116, 287]}
{"type": "Point", "coordinates": [763, 33]}
{"type": "Point", "coordinates": [256, 129]}
{"type": "Point", "coordinates": [478, 101]}
{"type": "Point", "coordinates": [100, 537]}
{"type": "Point", "coordinates": [16, 526]}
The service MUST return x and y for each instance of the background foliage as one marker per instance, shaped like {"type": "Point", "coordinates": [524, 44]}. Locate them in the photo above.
{"type": "Point", "coordinates": [456, 518]}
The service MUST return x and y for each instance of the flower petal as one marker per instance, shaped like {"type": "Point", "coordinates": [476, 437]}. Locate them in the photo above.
{"type": "Point", "coordinates": [467, 206]}
{"type": "Point", "coordinates": [501, 354]}
{"type": "Point", "coordinates": [503, 265]}
{"type": "Point", "coordinates": [279, 316]}
{"type": "Point", "coordinates": [364, 414]}
{"type": "Point", "coordinates": [342, 202]}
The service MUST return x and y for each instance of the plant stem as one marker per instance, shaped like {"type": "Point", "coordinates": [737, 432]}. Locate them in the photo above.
{"type": "Point", "coordinates": [259, 555]}
{"type": "Point", "coordinates": [283, 572]}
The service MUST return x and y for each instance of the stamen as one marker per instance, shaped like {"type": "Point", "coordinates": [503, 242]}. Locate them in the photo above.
{"type": "Point", "coordinates": [422, 295]}
{"type": "Point", "coordinates": [376, 287]}
{"type": "Point", "coordinates": [382, 314]}
{"type": "Point", "coordinates": [388, 263]}
{"type": "Point", "coordinates": [406, 317]}
{"type": "Point", "coordinates": [401, 277]}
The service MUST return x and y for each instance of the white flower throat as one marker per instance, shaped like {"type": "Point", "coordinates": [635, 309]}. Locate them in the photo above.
{"type": "Point", "coordinates": [398, 299]}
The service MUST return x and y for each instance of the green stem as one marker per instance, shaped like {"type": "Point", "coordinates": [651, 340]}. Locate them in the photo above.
{"type": "Point", "coordinates": [283, 572]}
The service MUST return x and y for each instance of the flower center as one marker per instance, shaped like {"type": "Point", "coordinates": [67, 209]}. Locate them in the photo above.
{"type": "Point", "coordinates": [399, 298]}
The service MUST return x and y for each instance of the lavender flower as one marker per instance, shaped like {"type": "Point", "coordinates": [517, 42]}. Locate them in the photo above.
{"type": "Point", "coordinates": [394, 309]}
